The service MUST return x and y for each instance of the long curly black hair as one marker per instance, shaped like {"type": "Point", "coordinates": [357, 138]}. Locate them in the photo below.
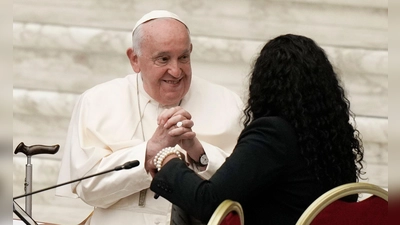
{"type": "Point", "coordinates": [292, 78]}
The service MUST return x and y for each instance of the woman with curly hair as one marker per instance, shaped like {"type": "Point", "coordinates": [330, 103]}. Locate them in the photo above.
{"type": "Point", "coordinates": [298, 142]}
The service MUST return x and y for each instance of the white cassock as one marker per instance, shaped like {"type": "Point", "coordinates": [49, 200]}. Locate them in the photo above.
{"type": "Point", "coordinates": [105, 132]}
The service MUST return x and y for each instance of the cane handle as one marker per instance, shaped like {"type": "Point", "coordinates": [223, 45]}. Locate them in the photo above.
{"type": "Point", "coordinates": [36, 149]}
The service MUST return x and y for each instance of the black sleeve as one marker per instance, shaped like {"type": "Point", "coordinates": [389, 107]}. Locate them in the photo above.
{"type": "Point", "coordinates": [256, 162]}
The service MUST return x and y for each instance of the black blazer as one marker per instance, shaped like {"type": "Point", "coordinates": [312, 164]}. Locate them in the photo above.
{"type": "Point", "coordinates": [265, 174]}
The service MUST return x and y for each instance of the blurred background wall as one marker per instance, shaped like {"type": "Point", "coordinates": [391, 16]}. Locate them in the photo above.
{"type": "Point", "coordinates": [63, 47]}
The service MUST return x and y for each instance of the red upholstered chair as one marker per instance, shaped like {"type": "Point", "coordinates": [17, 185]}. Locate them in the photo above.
{"type": "Point", "coordinates": [328, 209]}
{"type": "Point", "coordinates": [228, 213]}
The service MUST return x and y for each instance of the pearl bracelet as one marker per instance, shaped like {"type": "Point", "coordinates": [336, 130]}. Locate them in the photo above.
{"type": "Point", "coordinates": [162, 154]}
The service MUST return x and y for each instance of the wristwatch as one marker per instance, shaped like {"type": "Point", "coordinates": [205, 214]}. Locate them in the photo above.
{"type": "Point", "coordinates": [203, 160]}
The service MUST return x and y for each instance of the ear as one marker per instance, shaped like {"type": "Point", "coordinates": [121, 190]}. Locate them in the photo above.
{"type": "Point", "coordinates": [191, 47]}
{"type": "Point", "coordinates": [133, 59]}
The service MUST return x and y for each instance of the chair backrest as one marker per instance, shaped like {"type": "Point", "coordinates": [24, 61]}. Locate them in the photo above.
{"type": "Point", "coordinates": [228, 213]}
{"type": "Point", "coordinates": [329, 209]}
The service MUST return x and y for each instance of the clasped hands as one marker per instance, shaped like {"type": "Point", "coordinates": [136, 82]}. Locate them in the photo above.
{"type": "Point", "coordinates": [168, 134]}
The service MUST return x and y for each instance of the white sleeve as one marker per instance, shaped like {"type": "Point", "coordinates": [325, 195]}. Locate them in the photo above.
{"type": "Point", "coordinates": [88, 151]}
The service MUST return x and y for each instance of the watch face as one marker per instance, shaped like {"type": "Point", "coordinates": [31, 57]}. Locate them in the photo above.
{"type": "Point", "coordinates": [203, 160]}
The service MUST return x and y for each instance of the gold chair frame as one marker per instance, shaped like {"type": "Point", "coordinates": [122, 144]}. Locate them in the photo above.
{"type": "Point", "coordinates": [337, 193]}
{"type": "Point", "coordinates": [224, 209]}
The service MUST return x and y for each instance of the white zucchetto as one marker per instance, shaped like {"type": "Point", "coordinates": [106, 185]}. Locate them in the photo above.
{"type": "Point", "coordinates": [157, 14]}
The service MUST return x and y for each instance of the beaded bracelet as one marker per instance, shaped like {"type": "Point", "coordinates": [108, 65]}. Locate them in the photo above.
{"type": "Point", "coordinates": [162, 154]}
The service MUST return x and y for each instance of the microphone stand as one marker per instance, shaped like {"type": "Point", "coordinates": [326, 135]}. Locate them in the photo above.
{"type": "Point", "coordinates": [127, 165]}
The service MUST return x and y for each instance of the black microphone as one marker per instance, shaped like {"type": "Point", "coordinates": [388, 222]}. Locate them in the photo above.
{"type": "Point", "coordinates": [125, 166]}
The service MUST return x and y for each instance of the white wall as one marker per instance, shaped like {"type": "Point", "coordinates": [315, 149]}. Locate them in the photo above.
{"type": "Point", "coordinates": [63, 47]}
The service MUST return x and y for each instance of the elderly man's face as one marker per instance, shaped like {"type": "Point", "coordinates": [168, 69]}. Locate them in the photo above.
{"type": "Point", "coordinates": [165, 60]}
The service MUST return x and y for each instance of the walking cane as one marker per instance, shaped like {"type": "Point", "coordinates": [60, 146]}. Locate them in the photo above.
{"type": "Point", "coordinates": [29, 151]}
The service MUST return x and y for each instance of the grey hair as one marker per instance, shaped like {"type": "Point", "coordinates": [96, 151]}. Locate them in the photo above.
{"type": "Point", "coordinates": [137, 37]}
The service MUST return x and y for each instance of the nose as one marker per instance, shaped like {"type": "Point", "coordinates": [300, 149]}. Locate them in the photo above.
{"type": "Point", "coordinates": [175, 69]}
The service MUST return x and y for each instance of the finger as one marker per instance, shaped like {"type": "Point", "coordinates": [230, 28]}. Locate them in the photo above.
{"type": "Point", "coordinates": [188, 135]}
{"type": "Point", "coordinates": [178, 121]}
{"type": "Point", "coordinates": [183, 113]}
{"type": "Point", "coordinates": [163, 117]}
{"type": "Point", "coordinates": [185, 123]}
{"type": "Point", "coordinates": [182, 133]}
{"type": "Point", "coordinates": [166, 114]}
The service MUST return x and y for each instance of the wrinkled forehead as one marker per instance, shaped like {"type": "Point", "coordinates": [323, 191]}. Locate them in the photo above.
{"type": "Point", "coordinates": [156, 14]}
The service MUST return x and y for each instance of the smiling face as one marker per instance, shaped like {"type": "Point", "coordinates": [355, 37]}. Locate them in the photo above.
{"type": "Point", "coordinates": [164, 60]}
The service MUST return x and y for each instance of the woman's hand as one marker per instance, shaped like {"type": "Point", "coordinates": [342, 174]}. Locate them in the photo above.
{"type": "Point", "coordinates": [153, 169]}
